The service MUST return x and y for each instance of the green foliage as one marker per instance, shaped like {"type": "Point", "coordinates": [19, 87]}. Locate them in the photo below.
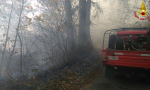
{"type": "Point", "coordinates": [34, 70]}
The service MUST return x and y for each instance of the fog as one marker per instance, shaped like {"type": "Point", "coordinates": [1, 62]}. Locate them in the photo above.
{"type": "Point", "coordinates": [116, 14]}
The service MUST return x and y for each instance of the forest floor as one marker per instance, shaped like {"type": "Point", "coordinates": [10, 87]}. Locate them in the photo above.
{"type": "Point", "coordinates": [72, 77]}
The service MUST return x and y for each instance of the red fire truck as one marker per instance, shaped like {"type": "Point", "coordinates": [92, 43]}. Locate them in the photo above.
{"type": "Point", "coordinates": [128, 51]}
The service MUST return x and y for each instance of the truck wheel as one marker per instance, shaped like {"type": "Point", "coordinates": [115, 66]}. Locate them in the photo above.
{"type": "Point", "coordinates": [120, 44]}
{"type": "Point", "coordinates": [112, 39]}
{"type": "Point", "coordinates": [110, 72]}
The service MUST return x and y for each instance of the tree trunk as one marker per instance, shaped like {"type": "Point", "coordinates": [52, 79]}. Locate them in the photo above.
{"type": "Point", "coordinates": [82, 41]}
{"type": "Point", "coordinates": [88, 22]}
{"type": "Point", "coordinates": [17, 30]}
{"type": "Point", "coordinates": [70, 33]}
{"type": "Point", "coordinates": [7, 34]}
{"type": "Point", "coordinates": [12, 52]}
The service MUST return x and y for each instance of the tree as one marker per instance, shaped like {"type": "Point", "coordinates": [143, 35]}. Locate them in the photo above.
{"type": "Point", "coordinates": [14, 21]}
{"type": "Point", "coordinates": [82, 42]}
{"type": "Point", "coordinates": [70, 33]}
{"type": "Point", "coordinates": [88, 22]}
{"type": "Point", "coordinates": [3, 52]}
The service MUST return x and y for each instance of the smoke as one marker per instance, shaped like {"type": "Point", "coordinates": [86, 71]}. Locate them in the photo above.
{"type": "Point", "coordinates": [116, 14]}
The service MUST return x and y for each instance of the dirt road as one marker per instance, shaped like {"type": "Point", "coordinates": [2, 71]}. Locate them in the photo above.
{"type": "Point", "coordinates": [119, 83]}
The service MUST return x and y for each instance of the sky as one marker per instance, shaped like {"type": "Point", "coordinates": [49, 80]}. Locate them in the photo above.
{"type": "Point", "coordinates": [34, 4]}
